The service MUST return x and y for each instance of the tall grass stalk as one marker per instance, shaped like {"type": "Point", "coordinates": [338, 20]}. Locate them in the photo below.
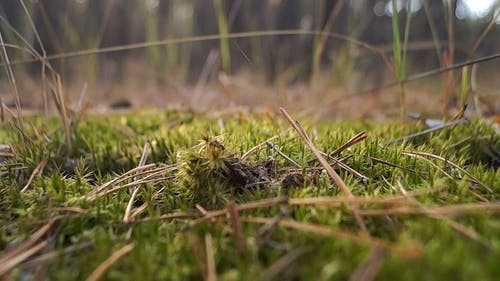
{"type": "Point", "coordinates": [12, 82]}
{"type": "Point", "coordinates": [321, 42]}
{"type": "Point", "coordinates": [464, 86]}
{"type": "Point", "coordinates": [400, 51]}
{"type": "Point", "coordinates": [223, 31]}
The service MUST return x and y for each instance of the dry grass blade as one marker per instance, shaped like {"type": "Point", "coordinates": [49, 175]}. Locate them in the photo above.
{"type": "Point", "coordinates": [242, 207]}
{"type": "Point", "coordinates": [261, 145]}
{"type": "Point", "coordinates": [280, 265]}
{"type": "Point", "coordinates": [234, 218]}
{"type": "Point", "coordinates": [41, 259]}
{"type": "Point", "coordinates": [105, 265]}
{"type": "Point", "coordinates": [211, 271]}
{"type": "Point", "coordinates": [142, 162]}
{"type": "Point", "coordinates": [368, 270]}
{"type": "Point", "coordinates": [451, 210]}
{"type": "Point", "coordinates": [12, 82]}
{"type": "Point", "coordinates": [211, 37]}
{"type": "Point", "coordinates": [320, 46]}
{"type": "Point", "coordinates": [7, 265]}
{"type": "Point", "coordinates": [381, 161]}
{"type": "Point", "coordinates": [32, 240]}
{"type": "Point", "coordinates": [127, 175]}
{"type": "Point", "coordinates": [12, 258]}
{"type": "Point", "coordinates": [126, 216]}
{"type": "Point", "coordinates": [336, 178]}
{"type": "Point", "coordinates": [448, 162]}
{"type": "Point", "coordinates": [428, 131]}
{"type": "Point", "coordinates": [354, 140]}
{"type": "Point", "coordinates": [37, 171]}
{"type": "Point", "coordinates": [412, 251]}
{"type": "Point", "coordinates": [166, 217]}
{"type": "Point", "coordinates": [197, 249]}
{"type": "Point", "coordinates": [467, 232]}
{"type": "Point", "coordinates": [338, 201]}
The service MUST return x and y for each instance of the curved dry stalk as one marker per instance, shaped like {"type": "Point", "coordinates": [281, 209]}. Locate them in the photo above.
{"type": "Point", "coordinates": [448, 162]}
{"type": "Point", "coordinates": [212, 37]}
{"type": "Point", "coordinates": [105, 265]}
{"type": "Point", "coordinates": [38, 170]}
{"type": "Point", "coordinates": [430, 130]}
{"type": "Point", "coordinates": [142, 162]}
{"type": "Point", "coordinates": [328, 231]}
{"type": "Point", "coordinates": [450, 210]}
{"type": "Point", "coordinates": [335, 177]}
{"type": "Point", "coordinates": [467, 232]}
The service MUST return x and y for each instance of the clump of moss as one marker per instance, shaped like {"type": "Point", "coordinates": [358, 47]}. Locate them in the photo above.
{"type": "Point", "coordinates": [211, 175]}
{"type": "Point", "coordinates": [203, 172]}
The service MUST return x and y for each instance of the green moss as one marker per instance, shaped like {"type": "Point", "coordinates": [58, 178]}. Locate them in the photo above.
{"type": "Point", "coordinates": [201, 167]}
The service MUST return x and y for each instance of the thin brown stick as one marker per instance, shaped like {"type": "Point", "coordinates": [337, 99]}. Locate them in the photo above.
{"type": "Point", "coordinates": [336, 178]}
{"type": "Point", "coordinates": [328, 231]}
{"type": "Point", "coordinates": [105, 265]}
{"type": "Point", "coordinates": [211, 271]}
{"type": "Point", "coordinates": [451, 210]}
{"type": "Point", "coordinates": [234, 218]}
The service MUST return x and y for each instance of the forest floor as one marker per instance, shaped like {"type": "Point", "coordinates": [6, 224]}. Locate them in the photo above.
{"type": "Point", "coordinates": [180, 195]}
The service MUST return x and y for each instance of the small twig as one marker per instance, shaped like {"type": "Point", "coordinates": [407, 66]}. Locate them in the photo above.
{"type": "Point", "coordinates": [428, 131]}
{"type": "Point", "coordinates": [105, 265]}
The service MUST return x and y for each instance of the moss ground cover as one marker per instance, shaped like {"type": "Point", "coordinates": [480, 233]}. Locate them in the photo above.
{"type": "Point", "coordinates": [182, 196]}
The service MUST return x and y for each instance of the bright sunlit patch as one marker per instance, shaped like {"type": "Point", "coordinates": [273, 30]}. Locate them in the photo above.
{"type": "Point", "coordinates": [474, 8]}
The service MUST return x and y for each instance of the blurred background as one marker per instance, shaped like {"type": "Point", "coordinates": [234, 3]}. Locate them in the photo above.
{"type": "Point", "coordinates": [335, 58]}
